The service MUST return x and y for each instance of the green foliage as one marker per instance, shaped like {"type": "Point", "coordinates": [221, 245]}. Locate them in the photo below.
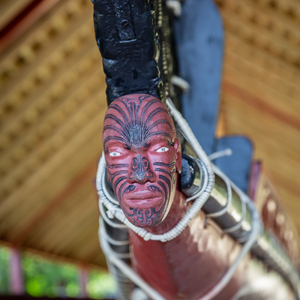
{"type": "Point", "coordinates": [4, 277]}
{"type": "Point", "coordinates": [45, 278]}
{"type": "Point", "coordinates": [101, 285]}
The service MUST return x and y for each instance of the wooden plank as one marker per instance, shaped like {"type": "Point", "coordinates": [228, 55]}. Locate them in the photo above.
{"type": "Point", "coordinates": [88, 228]}
{"type": "Point", "coordinates": [45, 32]}
{"type": "Point", "coordinates": [27, 95]}
{"type": "Point", "coordinates": [59, 138]}
{"type": "Point", "coordinates": [64, 217]}
{"type": "Point", "coordinates": [24, 49]}
{"type": "Point", "coordinates": [290, 72]}
{"type": "Point", "coordinates": [12, 222]}
{"type": "Point", "coordinates": [266, 21]}
{"type": "Point", "coordinates": [281, 22]}
{"type": "Point", "coordinates": [65, 247]}
{"type": "Point", "coordinates": [241, 118]}
{"type": "Point", "coordinates": [264, 42]}
{"type": "Point", "coordinates": [47, 55]}
{"type": "Point", "coordinates": [269, 99]}
{"type": "Point", "coordinates": [259, 123]}
{"type": "Point", "coordinates": [71, 94]}
{"type": "Point", "coordinates": [286, 11]}
{"type": "Point", "coordinates": [53, 203]}
{"type": "Point", "coordinates": [9, 9]}
{"type": "Point", "coordinates": [95, 253]}
{"type": "Point", "coordinates": [52, 116]}
{"type": "Point", "coordinates": [28, 192]}
{"type": "Point", "coordinates": [79, 209]}
{"type": "Point", "coordinates": [25, 20]}
{"type": "Point", "coordinates": [88, 239]}
{"type": "Point", "coordinates": [252, 68]}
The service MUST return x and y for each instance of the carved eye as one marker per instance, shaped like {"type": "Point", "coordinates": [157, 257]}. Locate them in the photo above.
{"type": "Point", "coordinates": [114, 154]}
{"type": "Point", "coordinates": [162, 149]}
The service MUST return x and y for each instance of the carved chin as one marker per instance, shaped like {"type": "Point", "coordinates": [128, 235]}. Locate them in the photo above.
{"type": "Point", "coordinates": [145, 217]}
{"type": "Point", "coordinates": [144, 213]}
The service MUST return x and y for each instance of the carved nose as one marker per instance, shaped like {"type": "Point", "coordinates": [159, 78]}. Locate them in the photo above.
{"type": "Point", "coordinates": [140, 170]}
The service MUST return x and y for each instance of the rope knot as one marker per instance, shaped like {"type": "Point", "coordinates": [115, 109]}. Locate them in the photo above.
{"type": "Point", "coordinates": [147, 236]}
{"type": "Point", "coordinates": [111, 213]}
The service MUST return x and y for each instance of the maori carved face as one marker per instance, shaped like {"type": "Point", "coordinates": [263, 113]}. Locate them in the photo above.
{"type": "Point", "coordinates": [142, 157]}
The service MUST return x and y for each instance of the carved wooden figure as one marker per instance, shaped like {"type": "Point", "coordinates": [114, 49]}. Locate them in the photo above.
{"type": "Point", "coordinates": [143, 166]}
{"type": "Point", "coordinates": [143, 163]}
{"type": "Point", "coordinates": [177, 250]}
{"type": "Point", "coordinates": [142, 156]}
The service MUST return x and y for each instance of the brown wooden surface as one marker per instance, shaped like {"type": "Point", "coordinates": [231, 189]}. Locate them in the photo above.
{"type": "Point", "coordinates": [52, 105]}
{"type": "Point", "coordinates": [261, 91]}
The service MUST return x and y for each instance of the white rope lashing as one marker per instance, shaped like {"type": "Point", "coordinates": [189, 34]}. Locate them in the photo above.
{"type": "Point", "coordinates": [114, 210]}
{"type": "Point", "coordinates": [125, 269]}
{"type": "Point", "coordinates": [201, 197]}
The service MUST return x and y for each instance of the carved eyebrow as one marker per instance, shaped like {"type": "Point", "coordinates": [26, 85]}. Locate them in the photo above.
{"type": "Point", "coordinates": [162, 121]}
{"type": "Point", "coordinates": [158, 133]}
{"type": "Point", "coordinates": [158, 141]}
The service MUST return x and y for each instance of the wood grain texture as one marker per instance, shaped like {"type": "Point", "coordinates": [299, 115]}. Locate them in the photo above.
{"type": "Point", "coordinates": [52, 107]}
{"type": "Point", "coordinates": [53, 101]}
{"type": "Point", "coordinates": [260, 88]}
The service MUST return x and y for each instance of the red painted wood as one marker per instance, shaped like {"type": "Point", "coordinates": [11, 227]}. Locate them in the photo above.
{"type": "Point", "coordinates": [190, 265]}
{"type": "Point", "coordinates": [143, 161]}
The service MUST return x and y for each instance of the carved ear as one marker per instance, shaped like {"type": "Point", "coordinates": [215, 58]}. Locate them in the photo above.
{"type": "Point", "coordinates": [177, 148]}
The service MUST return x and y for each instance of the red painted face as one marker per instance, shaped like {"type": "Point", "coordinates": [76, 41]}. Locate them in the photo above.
{"type": "Point", "coordinates": [142, 156]}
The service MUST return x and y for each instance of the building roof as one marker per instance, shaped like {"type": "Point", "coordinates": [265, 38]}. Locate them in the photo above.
{"type": "Point", "coordinates": [53, 102]}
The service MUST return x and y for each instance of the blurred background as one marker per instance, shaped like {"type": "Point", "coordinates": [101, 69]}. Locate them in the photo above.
{"type": "Point", "coordinates": [52, 104]}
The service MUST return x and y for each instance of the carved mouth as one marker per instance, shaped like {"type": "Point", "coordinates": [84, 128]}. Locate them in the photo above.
{"type": "Point", "coordinates": [142, 196]}
{"type": "Point", "coordinates": [146, 203]}
{"type": "Point", "coordinates": [151, 196]}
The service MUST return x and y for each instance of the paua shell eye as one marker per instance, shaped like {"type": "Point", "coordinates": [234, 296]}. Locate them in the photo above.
{"type": "Point", "coordinates": [162, 149]}
{"type": "Point", "coordinates": [114, 154]}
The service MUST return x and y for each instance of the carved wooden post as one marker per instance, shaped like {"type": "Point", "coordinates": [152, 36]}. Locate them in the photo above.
{"type": "Point", "coordinates": [83, 279]}
{"type": "Point", "coordinates": [16, 273]}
